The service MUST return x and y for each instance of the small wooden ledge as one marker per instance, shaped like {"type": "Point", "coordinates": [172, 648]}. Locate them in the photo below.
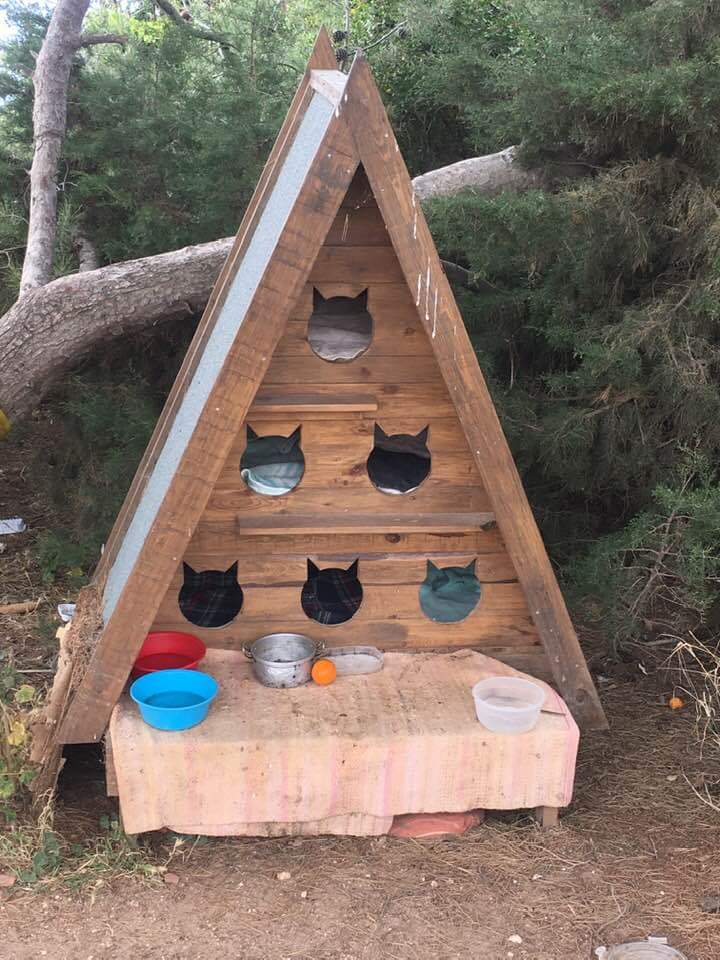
{"type": "Point", "coordinates": [293, 524]}
{"type": "Point", "coordinates": [308, 403]}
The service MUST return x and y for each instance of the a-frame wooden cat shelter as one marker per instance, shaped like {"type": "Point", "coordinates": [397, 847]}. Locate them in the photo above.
{"type": "Point", "coordinates": [333, 215]}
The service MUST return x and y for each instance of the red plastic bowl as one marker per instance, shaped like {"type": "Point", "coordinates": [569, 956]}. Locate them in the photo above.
{"type": "Point", "coordinates": [168, 650]}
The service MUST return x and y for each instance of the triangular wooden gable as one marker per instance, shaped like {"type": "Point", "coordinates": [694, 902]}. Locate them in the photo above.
{"type": "Point", "coordinates": [336, 124]}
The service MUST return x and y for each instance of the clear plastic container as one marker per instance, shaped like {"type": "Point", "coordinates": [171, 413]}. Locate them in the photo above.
{"type": "Point", "coordinates": [508, 704]}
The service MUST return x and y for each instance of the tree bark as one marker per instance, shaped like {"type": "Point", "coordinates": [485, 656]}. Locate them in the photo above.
{"type": "Point", "coordinates": [489, 175]}
{"type": "Point", "coordinates": [49, 330]}
{"type": "Point", "coordinates": [51, 79]}
{"type": "Point", "coordinates": [87, 255]}
{"type": "Point", "coordinates": [93, 39]}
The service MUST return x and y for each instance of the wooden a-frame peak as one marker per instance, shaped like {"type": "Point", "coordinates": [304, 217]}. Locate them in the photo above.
{"type": "Point", "coordinates": [334, 124]}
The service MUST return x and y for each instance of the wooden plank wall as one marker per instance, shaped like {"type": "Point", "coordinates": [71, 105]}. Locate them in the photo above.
{"type": "Point", "coordinates": [400, 372]}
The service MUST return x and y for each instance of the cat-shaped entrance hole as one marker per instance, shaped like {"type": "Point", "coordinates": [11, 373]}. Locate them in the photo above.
{"type": "Point", "coordinates": [332, 595]}
{"type": "Point", "coordinates": [272, 465]}
{"type": "Point", "coordinates": [449, 594]}
{"type": "Point", "coordinates": [340, 328]}
{"type": "Point", "coordinates": [399, 462]}
{"type": "Point", "coordinates": [210, 598]}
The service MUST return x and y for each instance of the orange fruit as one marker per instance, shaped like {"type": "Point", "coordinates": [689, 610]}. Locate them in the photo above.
{"type": "Point", "coordinates": [324, 672]}
{"type": "Point", "coordinates": [675, 703]}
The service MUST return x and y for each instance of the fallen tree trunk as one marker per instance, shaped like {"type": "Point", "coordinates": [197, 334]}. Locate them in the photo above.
{"type": "Point", "coordinates": [489, 175]}
{"type": "Point", "coordinates": [52, 327]}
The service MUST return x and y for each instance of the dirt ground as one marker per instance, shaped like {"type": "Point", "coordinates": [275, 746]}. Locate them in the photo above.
{"type": "Point", "coordinates": [636, 853]}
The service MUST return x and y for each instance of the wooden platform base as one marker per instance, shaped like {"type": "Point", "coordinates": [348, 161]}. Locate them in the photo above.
{"type": "Point", "coordinates": [343, 759]}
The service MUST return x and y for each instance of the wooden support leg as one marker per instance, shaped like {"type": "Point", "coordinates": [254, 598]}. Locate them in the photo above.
{"type": "Point", "coordinates": [131, 838]}
{"type": "Point", "coordinates": [547, 816]}
{"type": "Point", "coordinates": [111, 785]}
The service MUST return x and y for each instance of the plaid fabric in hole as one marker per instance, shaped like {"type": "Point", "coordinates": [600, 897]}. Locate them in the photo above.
{"type": "Point", "coordinates": [210, 598]}
{"type": "Point", "coordinates": [333, 596]}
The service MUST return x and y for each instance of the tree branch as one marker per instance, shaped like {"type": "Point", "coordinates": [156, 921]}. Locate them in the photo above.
{"type": "Point", "coordinates": [464, 278]}
{"type": "Point", "coordinates": [200, 32]}
{"type": "Point", "coordinates": [93, 39]}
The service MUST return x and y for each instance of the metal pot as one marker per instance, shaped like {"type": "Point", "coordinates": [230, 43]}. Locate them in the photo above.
{"type": "Point", "coordinates": [283, 659]}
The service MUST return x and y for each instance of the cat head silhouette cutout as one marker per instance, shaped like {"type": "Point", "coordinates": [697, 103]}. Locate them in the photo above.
{"type": "Point", "coordinates": [449, 594]}
{"type": "Point", "coordinates": [272, 465]}
{"type": "Point", "coordinates": [332, 595]}
{"type": "Point", "coordinates": [399, 462]}
{"type": "Point", "coordinates": [340, 328]}
{"type": "Point", "coordinates": [320, 302]}
{"type": "Point", "coordinates": [210, 598]}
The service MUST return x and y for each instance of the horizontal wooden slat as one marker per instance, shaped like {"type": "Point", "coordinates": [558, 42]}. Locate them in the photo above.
{"type": "Point", "coordinates": [284, 524]}
{"type": "Point", "coordinates": [495, 634]}
{"type": "Point", "coordinates": [406, 341]}
{"type": "Point", "coordinates": [371, 264]}
{"type": "Point", "coordinates": [354, 227]}
{"type": "Point", "coordinates": [364, 370]}
{"type": "Point", "coordinates": [217, 540]}
{"type": "Point", "coordinates": [352, 435]}
{"type": "Point", "coordinates": [338, 495]}
{"type": "Point", "coordinates": [404, 402]}
{"type": "Point", "coordinates": [390, 302]}
{"type": "Point", "coordinates": [385, 602]}
{"type": "Point", "coordinates": [292, 404]}
{"type": "Point", "coordinates": [285, 569]}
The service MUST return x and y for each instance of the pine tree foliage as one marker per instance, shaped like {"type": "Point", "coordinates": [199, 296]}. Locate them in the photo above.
{"type": "Point", "coordinates": [602, 334]}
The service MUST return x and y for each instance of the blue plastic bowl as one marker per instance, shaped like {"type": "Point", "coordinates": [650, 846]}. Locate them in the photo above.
{"type": "Point", "coordinates": [174, 699]}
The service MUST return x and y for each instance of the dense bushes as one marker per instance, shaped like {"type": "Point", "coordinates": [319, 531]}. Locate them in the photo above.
{"type": "Point", "coordinates": [600, 333]}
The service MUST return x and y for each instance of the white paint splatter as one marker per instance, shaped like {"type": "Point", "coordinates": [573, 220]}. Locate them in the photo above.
{"type": "Point", "coordinates": [346, 227]}
{"type": "Point", "coordinates": [417, 298]}
{"type": "Point", "coordinates": [434, 329]}
{"type": "Point", "coordinates": [427, 293]}
{"type": "Point", "coordinates": [415, 226]}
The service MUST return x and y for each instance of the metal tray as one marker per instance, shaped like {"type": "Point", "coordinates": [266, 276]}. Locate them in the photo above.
{"type": "Point", "coordinates": [355, 661]}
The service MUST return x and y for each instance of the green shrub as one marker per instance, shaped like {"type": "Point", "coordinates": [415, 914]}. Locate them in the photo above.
{"type": "Point", "coordinates": [659, 575]}
{"type": "Point", "coordinates": [104, 425]}
{"type": "Point", "coordinates": [17, 704]}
